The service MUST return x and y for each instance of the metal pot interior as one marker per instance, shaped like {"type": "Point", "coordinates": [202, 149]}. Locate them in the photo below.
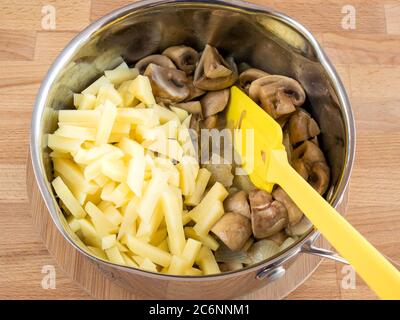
{"type": "Point", "coordinates": [261, 38]}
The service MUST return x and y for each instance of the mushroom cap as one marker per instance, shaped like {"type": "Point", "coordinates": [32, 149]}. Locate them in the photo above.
{"type": "Point", "coordinates": [238, 203]}
{"type": "Point", "coordinates": [293, 211]}
{"type": "Point", "coordinates": [214, 102]}
{"type": "Point", "coordinates": [233, 229]}
{"type": "Point", "coordinates": [184, 57]}
{"type": "Point", "coordinates": [302, 127]}
{"type": "Point", "coordinates": [194, 92]}
{"type": "Point", "coordinates": [211, 122]}
{"type": "Point", "coordinates": [220, 169]}
{"type": "Point", "coordinates": [214, 72]}
{"type": "Point", "coordinates": [250, 75]}
{"type": "Point", "coordinates": [193, 107]}
{"type": "Point", "coordinates": [170, 85]}
{"type": "Point", "coordinates": [288, 145]}
{"type": "Point", "coordinates": [267, 216]}
{"type": "Point", "coordinates": [278, 95]}
{"type": "Point", "coordinates": [158, 59]}
{"type": "Point", "coordinates": [309, 161]}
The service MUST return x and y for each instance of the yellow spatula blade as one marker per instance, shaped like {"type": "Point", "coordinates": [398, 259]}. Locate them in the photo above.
{"type": "Point", "coordinates": [271, 166]}
{"type": "Point", "coordinates": [255, 135]}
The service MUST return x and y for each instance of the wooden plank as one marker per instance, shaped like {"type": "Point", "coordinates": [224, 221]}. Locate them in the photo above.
{"type": "Point", "coordinates": [367, 59]}
{"type": "Point", "coordinates": [22, 262]}
{"type": "Point", "coordinates": [12, 183]}
{"type": "Point", "coordinates": [27, 15]}
{"type": "Point", "coordinates": [17, 44]}
{"type": "Point", "coordinates": [392, 12]}
{"type": "Point", "coordinates": [101, 8]}
{"type": "Point", "coordinates": [326, 16]}
{"type": "Point", "coordinates": [374, 81]}
{"type": "Point", "coordinates": [49, 44]}
{"type": "Point", "coordinates": [356, 48]}
{"type": "Point", "coordinates": [320, 285]}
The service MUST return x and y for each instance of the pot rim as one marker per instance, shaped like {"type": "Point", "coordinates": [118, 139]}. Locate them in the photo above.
{"type": "Point", "coordinates": [83, 36]}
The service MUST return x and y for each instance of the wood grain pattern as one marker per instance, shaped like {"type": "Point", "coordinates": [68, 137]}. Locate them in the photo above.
{"type": "Point", "coordinates": [367, 58]}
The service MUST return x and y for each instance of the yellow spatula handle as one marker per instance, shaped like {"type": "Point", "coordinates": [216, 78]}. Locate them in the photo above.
{"type": "Point", "coordinates": [377, 272]}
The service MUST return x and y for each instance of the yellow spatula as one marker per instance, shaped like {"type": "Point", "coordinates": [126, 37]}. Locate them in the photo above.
{"type": "Point", "coordinates": [268, 165]}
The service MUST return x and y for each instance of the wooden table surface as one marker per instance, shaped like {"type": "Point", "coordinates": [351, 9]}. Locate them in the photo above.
{"type": "Point", "coordinates": [367, 58]}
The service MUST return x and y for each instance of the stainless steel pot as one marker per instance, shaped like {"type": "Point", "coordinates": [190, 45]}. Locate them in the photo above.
{"type": "Point", "coordinates": [260, 36]}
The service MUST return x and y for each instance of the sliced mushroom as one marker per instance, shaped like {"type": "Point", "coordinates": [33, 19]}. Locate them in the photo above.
{"type": "Point", "coordinates": [310, 162]}
{"type": "Point", "coordinates": [194, 92]}
{"type": "Point", "coordinates": [238, 203]}
{"type": "Point", "coordinates": [288, 146]}
{"type": "Point", "coordinates": [268, 216]}
{"type": "Point", "coordinates": [293, 211]}
{"type": "Point", "coordinates": [214, 72]}
{"type": "Point", "coordinates": [221, 170]}
{"type": "Point", "coordinates": [211, 122]}
{"type": "Point", "coordinates": [277, 95]}
{"type": "Point", "coordinates": [233, 229]}
{"type": "Point", "coordinates": [250, 75]}
{"type": "Point", "coordinates": [169, 85]}
{"type": "Point", "coordinates": [158, 59]}
{"type": "Point", "coordinates": [214, 102]}
{"type": "Point", "coordinates": [302, 127]}
{"type": "Point", "coordinates": [195, 123]}
{"type": "Point", "coordinates": [184, 57]}
{"type": "Point", "coordinates": [193, 107]}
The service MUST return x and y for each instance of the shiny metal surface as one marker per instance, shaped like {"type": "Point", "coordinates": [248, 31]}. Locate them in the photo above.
{"type": "Point", "coordinates": [257, 35]}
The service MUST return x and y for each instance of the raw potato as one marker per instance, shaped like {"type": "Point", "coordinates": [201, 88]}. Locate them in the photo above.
{"type": "Point", "coordinates": [141, 89]}
{"type": "Point", "coordinates": [188, 171]}
{"type": "Point", "coordinates": [209, 218]}
{"type": "Point", "coordinates": [84, 101]}
{"type": "Point", "coordinates": [68, 198]}
{"type": "Point", "coordinates": [106, 123]}
{"type": "Point", "coordinates": [121, 74]}
{"type": "Point", "coordinates": [216, 193]}
{"type": "Point", "coordinates": [171, 201]}
{"type": "Point", "coordinates": [63, 144]}
{"type": "Point", "coordinates": [146, 250]}
{"type": "Point", "coordinates": [200, 186]}
{"type": "Point", "coordinates": [207, 240]}
{"type": "Point", "coordinates": [206, 261]}
{"type": "Point", "coordinates": [123, 168]}
{"type": "Point", "coordinates": [150, 197]}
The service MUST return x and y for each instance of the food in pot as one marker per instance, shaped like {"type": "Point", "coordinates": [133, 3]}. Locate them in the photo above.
{"type": "Point", "coordinates": [141, 189]}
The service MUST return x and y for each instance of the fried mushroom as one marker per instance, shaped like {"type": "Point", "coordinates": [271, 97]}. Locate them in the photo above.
{"type": "Point", "coordinates": [213, 72]}
{"type": "Point", "coordinates": [193, 107]}
{"type": "Point", "coordinates": [293, 211]}
{"type": "Point", "coordinates": [310, 163]}
{"type": "Point", "coordinates": [238, 203]}
{"type": "Point", "coordinates": [214, 102]}
{"type": "Point", "coordinates": [184, 57]}
{"type": "Point", "coordinates": [277, 95]}
{"type": "Point", "coordinates": [168, 84]}
{"type": "Point", "coordinates": [302, 127]}
{"type": "Point", "coordinates": [268, 216]}
{"type": "Point", "coordinates": [250, 75]}
{"type": "Point", "coordinates": [158, 59]}
{"type": "Point", "coordinates": [233, 229]}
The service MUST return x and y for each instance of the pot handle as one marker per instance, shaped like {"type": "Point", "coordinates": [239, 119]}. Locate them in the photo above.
{"type": "Point", "coordinates": [309, 248]}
